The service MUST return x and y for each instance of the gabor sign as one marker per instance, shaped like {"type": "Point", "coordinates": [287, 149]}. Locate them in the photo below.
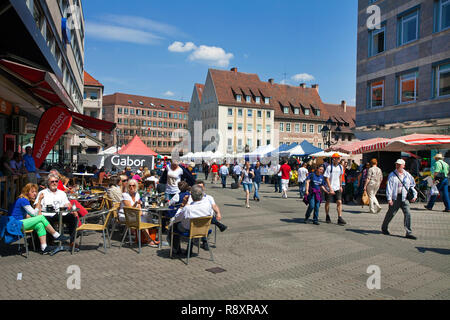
{"type": "Point", "coordinates": [122, 161]}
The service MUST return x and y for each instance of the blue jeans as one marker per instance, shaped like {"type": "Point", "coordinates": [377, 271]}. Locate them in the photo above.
{"type": "Point", "coordinates": [256, 184]}
{"type": "Point", "coordinates": [313, 204]}
{"type": "Point", "coordinates": [443, 191]}
{"type": "Point", "coordinates": [224, 180]}
{"type": "Point", "coordinates": [301, 187]}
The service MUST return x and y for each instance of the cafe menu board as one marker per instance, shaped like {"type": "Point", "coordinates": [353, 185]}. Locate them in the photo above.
{"type": "Point", "coordinates": [5, 107]}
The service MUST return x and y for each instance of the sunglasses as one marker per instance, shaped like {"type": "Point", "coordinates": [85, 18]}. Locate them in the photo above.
{"type": "Point", "coordinates": [132, 185]}
{"type": "Point", "coordinates": [56, 181]}
{"type": "Point", "coordinates": [124, 180]}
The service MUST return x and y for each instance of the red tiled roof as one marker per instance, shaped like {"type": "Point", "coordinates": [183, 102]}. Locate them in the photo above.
{"type": "Point", "coordinates": [336, 112]}
{"type": "Point", "coordinates": [90, 81]}
{"type": "Point", "coordinates": [230, 83]}
{"type": "Point", "coordinates": [199, 87]}
{"type": "Point", "coordinates": [149, 102]}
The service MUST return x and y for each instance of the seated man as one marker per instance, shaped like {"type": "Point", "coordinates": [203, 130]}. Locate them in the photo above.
{"type": "Point", "coordinates": [115, 190]}
{"type": "Point", "coordinates": [54, 196]}
{"type": "Point", "coordinates": [198, 208]}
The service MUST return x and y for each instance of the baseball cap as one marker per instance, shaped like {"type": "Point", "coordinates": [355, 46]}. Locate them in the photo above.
{"type": "Point", "coordinates": [400, 161]}
{"type": "Point", "coordinates": [335, 155]}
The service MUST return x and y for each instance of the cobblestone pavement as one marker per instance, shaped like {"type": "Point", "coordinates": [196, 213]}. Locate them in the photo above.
{"type": "Point", "coordinates": [267, 252]}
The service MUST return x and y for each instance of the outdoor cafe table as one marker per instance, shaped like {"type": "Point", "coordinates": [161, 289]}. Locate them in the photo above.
{"type": "Point", "coordinates": [61, 213]}
{"type": "Point", "coordinates": [158, 211]}
{"type": "Point", "coordinates": [83, 175]}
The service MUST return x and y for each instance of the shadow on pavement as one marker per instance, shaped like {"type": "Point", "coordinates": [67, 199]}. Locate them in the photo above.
{"type": "Point", "coordinates": [354, 212]}
{"type": "Point", "coordinates": [295, 220]}
{"type": "Point", "coordinates": [366, 232]}
{"type": "Point", "coordinates": [437, 250]}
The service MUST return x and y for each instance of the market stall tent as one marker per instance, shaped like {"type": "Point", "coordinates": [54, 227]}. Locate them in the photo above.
{"type": "Point", "coordinates": [303, 149]}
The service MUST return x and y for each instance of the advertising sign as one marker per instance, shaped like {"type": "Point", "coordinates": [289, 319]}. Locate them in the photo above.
{"type": "Point", "coordinates": [121, 161]}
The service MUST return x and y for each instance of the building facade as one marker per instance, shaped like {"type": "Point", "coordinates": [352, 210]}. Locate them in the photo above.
{"type": "Point", "coordinates": [247, 113]}
{"type": "Point", "coordinates": [403, 69]}
{"type": "Point", "coordinates": [41, 65]}
{"type": "Point", "coordinates": [93, 107]}
{"type": "Point", "coordinates": [158, 122]}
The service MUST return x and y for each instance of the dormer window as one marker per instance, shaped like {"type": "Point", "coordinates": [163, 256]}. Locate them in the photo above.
{"type": "Point", "coordinates": [306, 112]}
{"type": "Point", "coordinates": [238, 98]}
{"type": "Point", "coordinates": [258, 99]}
{"type": "Point", "coordinates": [141, 103]}
{"type": "Point", "coordinates": [130, 102]}
{"type": "Point", "coordinates": [286, 110]}
{"type": "Point", "coordinates": [248, 99]}
{"type": "Point", "coordinates": [318, 112]}
{"type": "Point", "coordinates": [266, 100]}
{"type": "Point", "coordinates": [296, 110]}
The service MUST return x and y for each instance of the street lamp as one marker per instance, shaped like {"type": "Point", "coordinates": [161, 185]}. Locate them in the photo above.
{"type": "Point", "coordinates": [327, 132]}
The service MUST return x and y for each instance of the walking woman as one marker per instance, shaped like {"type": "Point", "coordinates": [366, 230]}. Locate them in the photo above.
{"type": "Point", "coordinates": [33, 219]}
{"type": "Point", "coordinates": [372, 184]}
{"type": "Point", "coordinates": [314, 183]}
{"type": "Point", "coordinates": [247, 176]}
{"type": "Point", "coordinates": [257, 180]}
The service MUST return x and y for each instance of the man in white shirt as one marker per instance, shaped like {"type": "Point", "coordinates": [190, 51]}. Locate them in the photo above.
{"type": "Point", "coordinates": [277, 177]}
{"type": "Point", "coordinates": [54, 197]}
{"type": "Point", "coordinates": [237, 170]}
{"type": "Point", "coordinates": [302, 175]}
{"type": "Point", "coordinates": [223, 171]}
{"type": "Point", "coordinates": [200, 207]}
{"type": "Point", "coordinates": [333, 176]}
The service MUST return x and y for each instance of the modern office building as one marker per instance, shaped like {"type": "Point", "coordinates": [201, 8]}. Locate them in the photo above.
{"type": "Point", "coordinates": [248, 113]}
{"type": "Point", "coordinates": [403, 69]}
{"type": "Point", "coordinates": [41, 65]}
{"type": "Point", "coordinates": [156, 121]}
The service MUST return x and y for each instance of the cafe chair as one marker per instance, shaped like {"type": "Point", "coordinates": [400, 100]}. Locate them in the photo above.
{"type": "Point", "coordinates": [199, 228]}
{"type": "Point", "coordinates": [95, 227]}
{"type": "Point", "coordinates": [115, 219]}
{"type": "Point", "coordinates": [133, 221]}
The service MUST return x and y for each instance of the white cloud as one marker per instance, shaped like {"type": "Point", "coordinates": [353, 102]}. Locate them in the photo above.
{"type": "Point", "coordinates": [178, 46]}
{"type": "Point", "coordinates": [114, 33]}
{"type": "Point", "coordinates": [284, 81]}
{"type": "Point", "coordinates": [213, 56]}
{"type": "Point", "coordinates": [169, 93]}
{"type": "Point", "coordinates": [302, 77]}
{"type": "Point", "coordinates": [142, 24]}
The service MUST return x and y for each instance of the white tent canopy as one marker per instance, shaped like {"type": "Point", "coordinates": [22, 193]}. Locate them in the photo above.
{"type": "Point", "coordinates": [110, 150]}
{"type": "Point", "coordinates": [324, 154]}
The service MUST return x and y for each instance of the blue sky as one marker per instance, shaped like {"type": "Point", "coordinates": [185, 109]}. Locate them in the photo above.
{"type": "Point", "coordinates": [161, 48]}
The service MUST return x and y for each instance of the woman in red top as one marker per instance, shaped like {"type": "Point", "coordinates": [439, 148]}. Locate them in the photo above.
{"type": "Point", "coordinates": [285, 170]}
{"type": "Point", "coordinates": [215, 172]}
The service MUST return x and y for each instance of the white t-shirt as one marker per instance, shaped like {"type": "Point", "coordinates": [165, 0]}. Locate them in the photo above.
{"type": "Point", "coordinates": [302, 174]}
{"type": "Point", "coordinates": [278, 168]}
{"type": "Point", "coordinates": [51, 198]}
{"type": "Point", "coordinates": [173, 177]}
{"type": "Point", "coordinates": [336, 176]}
{"type": "Point", "coordinates": [196, 209]}
{"type": "Point", "coordinates": [126, 197]}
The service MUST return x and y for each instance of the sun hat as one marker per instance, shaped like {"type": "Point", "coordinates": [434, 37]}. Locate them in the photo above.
{"type": "Point", "coordinates": [439, 156]}
{"type": "Point", "coordinates": [400, 161]}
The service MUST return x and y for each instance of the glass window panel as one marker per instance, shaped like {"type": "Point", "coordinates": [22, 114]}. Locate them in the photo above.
{"type": "Point", "coordinates": [444, 81]}
{"type": "Point", "coordinates": [445, 14]}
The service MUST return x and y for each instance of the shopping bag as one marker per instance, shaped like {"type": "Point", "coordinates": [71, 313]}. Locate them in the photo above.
{"type": "Point", "coordinates": [434, 190]}
{"type": "Point", "coordinates": [365, 199]}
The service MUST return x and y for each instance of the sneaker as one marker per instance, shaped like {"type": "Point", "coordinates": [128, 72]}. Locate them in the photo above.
{"type": "Point", "coordinates": [316, 223]}
{"type": "Point", "coordinates": [222, 227]}
{"type": "Point", "coordinates": [379, 209]}
{"type": "Point", "coordinates": [62, 238]}
{"type": "Point", "coordinates": [385, 232]}
{"type": "Point", "coordinates": [47, 250]}
{"type": "Point", "coordinates": [341, 221]}
{"type": "Point", "coordinates": [410, 236]}
{"type": "Point", "coordinates": [427, 208]}
{"type": "Point", "coordinates": [328, 219]}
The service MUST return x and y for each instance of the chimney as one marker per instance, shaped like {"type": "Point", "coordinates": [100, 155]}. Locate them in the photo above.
{"type": "Point", "coordinates": [315, 86]}
{"type": "Point", "coordinates": [302, 85]}
{"type": "Point", "coordinates": [233, 69]}
{"type": "Point", "coordinates": [271, 81]}
{"type": "Point", "coordinates": [344, 105]}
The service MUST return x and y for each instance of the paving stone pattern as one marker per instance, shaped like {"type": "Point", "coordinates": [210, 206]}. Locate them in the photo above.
{"type": "Point", "coordinates": [267, 252]}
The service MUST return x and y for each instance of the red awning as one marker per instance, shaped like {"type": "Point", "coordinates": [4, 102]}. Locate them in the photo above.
{"type": "Point", "coordinates": [137, 147]}
{"type": "Point", "coordinates": [44, 85]}
{"type": "Point", "coordinates": [92, 123]}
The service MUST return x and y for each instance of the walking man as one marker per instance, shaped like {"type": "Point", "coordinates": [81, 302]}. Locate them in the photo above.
{"type": "Point", "coordinates": [237, 170]}
{"type": "Point", "coordinates": [285, 171]}
{"type": "Point", "coordinates": [223, 171]}
{"type": "Point", "coordinates": [333, 177]}
{"type": "Point", "coordinates": [372, 184]}
{"type": "Point", "coordinates": [399, 182]}
{"type": "Point", "coordinates": [440, 173]}
{"type": "Point", "coordinates": [302, 175]}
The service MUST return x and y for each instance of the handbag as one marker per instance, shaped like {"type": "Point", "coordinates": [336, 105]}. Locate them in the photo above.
{"type": "Point", "coordinates": [365, 199]}
{"type": "Point", "coordinates": [410, 192]}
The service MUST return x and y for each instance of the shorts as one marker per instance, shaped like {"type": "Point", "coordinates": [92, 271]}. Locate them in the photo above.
{"type": "Point", "coordinates": [247, 186]}
{"type": "Point", "coordinates": [284, 184]}
{"type": "Point", "coordinates": [337, 196]}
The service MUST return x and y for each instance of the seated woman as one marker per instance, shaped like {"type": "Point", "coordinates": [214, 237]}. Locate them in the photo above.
{"type": "Point", "coordinates": [32, 219]}
{"type": "Point", "coordinates": [185, 190]}
{"type": "Point", "coordinates": [131, 198]}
